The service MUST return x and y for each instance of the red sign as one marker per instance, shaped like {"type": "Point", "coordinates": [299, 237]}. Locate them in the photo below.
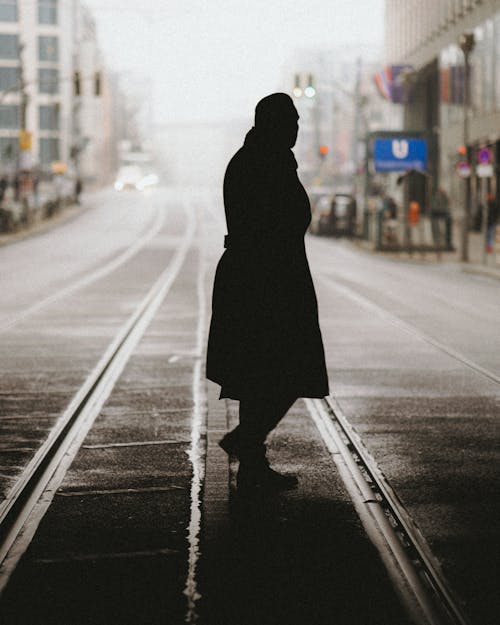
{"type": "Point", "coordinates": [463, 169]}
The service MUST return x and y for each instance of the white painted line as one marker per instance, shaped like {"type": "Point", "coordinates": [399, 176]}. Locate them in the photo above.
{"type": "Point", "coordinates": [369, 305]}
{"type": "Point", "coordinates": [9, 322]}
{"type": "Point", "coordinates": [196, 453]}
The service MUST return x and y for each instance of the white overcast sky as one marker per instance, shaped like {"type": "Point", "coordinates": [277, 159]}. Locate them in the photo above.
{"type": "Point", "coordinates": [213, 59]}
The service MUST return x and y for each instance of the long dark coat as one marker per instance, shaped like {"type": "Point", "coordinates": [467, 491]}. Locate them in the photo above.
{"type": "Point", "coordinates": [264, 334]}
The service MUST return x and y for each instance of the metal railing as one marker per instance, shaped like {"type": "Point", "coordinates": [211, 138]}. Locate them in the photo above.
{"type": "Point", "coordinates": [430, 233]}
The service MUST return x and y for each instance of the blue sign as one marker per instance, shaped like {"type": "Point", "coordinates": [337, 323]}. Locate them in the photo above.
{"type": "Point", "coordinates": [400, 154]}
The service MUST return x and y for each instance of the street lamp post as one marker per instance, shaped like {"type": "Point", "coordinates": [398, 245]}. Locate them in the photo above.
{"type": "Point", "coordinates": [466, 43]}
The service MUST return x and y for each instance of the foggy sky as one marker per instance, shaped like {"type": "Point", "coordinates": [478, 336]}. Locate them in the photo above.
{"type": "Point", "coordinates": [213, 59]}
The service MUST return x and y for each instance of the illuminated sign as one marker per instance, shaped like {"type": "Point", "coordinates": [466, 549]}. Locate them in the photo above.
{"type": "Point", "coordinates": [401, 154]}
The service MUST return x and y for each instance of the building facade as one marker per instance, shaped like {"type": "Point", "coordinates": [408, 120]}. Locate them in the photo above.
{"type": "Point", "coordinates": [337, 113]}
{"type": "Point", "coordinates": [52, 85]}
{"type": "Point", "coordinates": [426, 36]}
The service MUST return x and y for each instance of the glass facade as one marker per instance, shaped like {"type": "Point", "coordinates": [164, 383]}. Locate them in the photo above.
{"type": "Point", "coordinates": [48, 117]}
{"type": "Point", "coordinates": [48, 80]}
{"type": "Point", "coordinates": [9, 46]}
{"type": "Point", "coordinates": [8, 149]}
{"type": "Point", "coordinates": [48, 49]}
{"type": "Point", "coordinates": [9, 116]}
{"type": "Point", "coordinates": [47, 11]}
{"type": "Point", "coordinates": [49, 150]}
{"type": "Point", "coordinates": [9, 78]}
{"type": "Point", "coordinates": [484, 74]}
{"type": "Point", "coordinates": [8, 11]}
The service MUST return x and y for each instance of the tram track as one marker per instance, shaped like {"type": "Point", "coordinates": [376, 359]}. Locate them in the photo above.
{"type": "Point", "coordinates": [413, 568]}
{"type": "Point", "coordinates": [28, 500]}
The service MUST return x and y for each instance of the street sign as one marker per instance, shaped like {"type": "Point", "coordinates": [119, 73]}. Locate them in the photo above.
{"type": "Point", "coordinates": [463, 169]}
{"type": "Point", "coordinates": [25, 140]}
{"type": "Point", "coordinates": [484, 156]}
{"type": "Point", "coordinates": [401, 154]}
{"type": "Point", "coordinates": [484, 170]}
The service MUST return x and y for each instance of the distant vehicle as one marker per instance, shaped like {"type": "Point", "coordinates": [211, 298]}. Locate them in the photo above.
{"type": "Point", "coordinates": [334, 214]}
{"type": "Point", "coordinates": [129, 177]}
{"type": "Point", "coordinates": [147, 181]}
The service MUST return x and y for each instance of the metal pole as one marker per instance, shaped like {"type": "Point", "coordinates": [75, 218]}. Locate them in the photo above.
{"type": "Point", "coordinates": [466, 45]}
{"type": "Point", "coordinates": [466, 203]}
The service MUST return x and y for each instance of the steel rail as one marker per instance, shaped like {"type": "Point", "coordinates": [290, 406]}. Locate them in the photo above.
{"type": "Point", "coordinates": [64, 440]}
{"type": "Point", "coordinates": [409, 551]}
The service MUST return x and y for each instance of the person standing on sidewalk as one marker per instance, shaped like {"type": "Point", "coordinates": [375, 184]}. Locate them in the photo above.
{"type": "Point", "coordinates": [265, 347]}
{"type": "Point", "coordinates": [491, 221]}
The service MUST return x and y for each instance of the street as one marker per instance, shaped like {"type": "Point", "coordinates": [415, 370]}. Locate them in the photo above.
{"type": "Point", "coordinates": [139, 527]}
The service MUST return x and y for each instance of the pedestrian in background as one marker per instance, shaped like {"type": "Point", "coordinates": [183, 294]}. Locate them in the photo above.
{"type": "Point", "coordinates": [491, 221]}
{"type": "Point", "coordinates": [440, 212]}
{"type": "Point", "coordinates": [265, 347]}
{"type": "Point", "coordinates": [78, 189]}
{"type": "Point", "coordinates": [3, 187]}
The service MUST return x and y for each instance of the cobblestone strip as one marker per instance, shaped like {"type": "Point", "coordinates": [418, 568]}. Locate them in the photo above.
{"type": "Point", "coordinates": [216, 492]}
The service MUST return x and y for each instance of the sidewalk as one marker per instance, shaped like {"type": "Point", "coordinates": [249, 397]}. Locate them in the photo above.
{"type": "Point", "coordinates": [476, 264]}
{"type": "Point", "coordinates": [40, 225]}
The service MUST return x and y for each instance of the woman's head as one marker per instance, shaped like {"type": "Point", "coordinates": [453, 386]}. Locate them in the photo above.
{"type": "Point", "coordinates": [276, 118]}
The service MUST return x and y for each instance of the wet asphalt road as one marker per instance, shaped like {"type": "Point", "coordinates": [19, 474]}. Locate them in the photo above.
{"type": "Point", "coordinates": [114, 546]}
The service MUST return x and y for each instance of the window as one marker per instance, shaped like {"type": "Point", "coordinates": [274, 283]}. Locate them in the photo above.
{"type": "Point", "coordinates": [9, 116]}
{"type": "Point", "coordinates": [47, 11]}
{"type": "Point", "coordinates": [9, 46]}
{"type": "Point", "coordinates": [49, 150]}
{"type": "Point", "coordinates": [8, 11]}
{"type": "Point", "coordinates": [49, 117]}
{"type": "Point", "coordinates": [9, 78]}
{"type": "Point", "coordinates": [48, 80]}
{"type": "Point", "coordinates": [48, 49]}
{"type": "Point", "coordinates": [8, 149]}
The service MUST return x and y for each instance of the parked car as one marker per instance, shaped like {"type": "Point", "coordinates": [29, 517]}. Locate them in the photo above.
{"type": "Point", "coordinates": [334, 214]}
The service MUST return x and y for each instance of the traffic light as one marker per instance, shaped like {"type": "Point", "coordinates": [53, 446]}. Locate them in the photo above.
{"type": "Point", "coordinates": [297, 90]}
{"type": "Point", "coordinates": [77, 83]}
{"type": "Point", "coordinates": [323, 151]}
{"type": "Point", "coordinates": [310, 90]}
{"type": "Point", "coordinates": [97, 84]}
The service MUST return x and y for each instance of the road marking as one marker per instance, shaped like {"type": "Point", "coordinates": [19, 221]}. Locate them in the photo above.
{"type": "Point", "coordinates": [369, 305]}
{"type": "Point", "coordinates": [90, 278]}
{"type": "Point", "coordinates": [136, 444]}
{"type": "Point", "coordinates": [121, 555]}
{"type": "Point", "coordinates": [118, 491]}
{"type": "Point", "coordinates": [79, 418]}
{"type": "Point", "coordinates": [196, 453]}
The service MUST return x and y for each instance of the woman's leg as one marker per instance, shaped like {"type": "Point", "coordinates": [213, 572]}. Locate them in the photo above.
{"type": "Point", "coordinates": [258, 416]}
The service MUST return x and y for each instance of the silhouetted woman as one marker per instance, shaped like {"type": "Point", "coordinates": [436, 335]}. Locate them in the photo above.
{"type": "Point", "coordinates": [265, 346]}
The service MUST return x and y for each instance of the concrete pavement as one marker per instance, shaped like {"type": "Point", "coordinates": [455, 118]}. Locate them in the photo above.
{"type": "Point", "coordinates": [412, 354]}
